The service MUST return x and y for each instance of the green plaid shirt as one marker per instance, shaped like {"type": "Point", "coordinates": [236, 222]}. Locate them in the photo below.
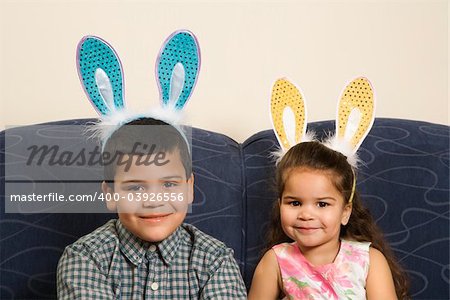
{"type": "Point", "coordinates": [112, 263]}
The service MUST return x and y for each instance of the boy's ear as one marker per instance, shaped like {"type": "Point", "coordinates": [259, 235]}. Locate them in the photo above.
{"type": "Point", "coordinates": [190, 192]}
{"type": "Point", "coordinates": [346, 214]}
{"type": "Point", "coordinates": [111, 205]}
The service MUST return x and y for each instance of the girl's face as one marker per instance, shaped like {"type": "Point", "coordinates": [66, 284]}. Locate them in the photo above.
{"type": "Point", "coordinates": [312, 209]}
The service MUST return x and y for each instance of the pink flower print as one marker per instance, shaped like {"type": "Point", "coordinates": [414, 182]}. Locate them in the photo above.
{"type": "Point", "coordinates": [353, 254]}
{"type": "Point", "coordinates": [343, 281]}
{"type": "Point", "coordinates": [298, 290]}
{"type": "Point", "coordinates": [338, 276]}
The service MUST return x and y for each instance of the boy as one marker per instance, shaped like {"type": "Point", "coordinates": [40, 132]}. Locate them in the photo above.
{"type": "Point", "coordinates": [148, 253]}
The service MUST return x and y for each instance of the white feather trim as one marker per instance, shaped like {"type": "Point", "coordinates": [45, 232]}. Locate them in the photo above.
{"type": "Point", "coordinates": [167, 114]}
{"type": "Point", "coordinates": [344, 147]}
{"type": "Point", "coordinates": [309, 136]}
{"type": "Point", "coordinates": [108, 124]}
{"type": "Point", "coordinates": [277, 155]}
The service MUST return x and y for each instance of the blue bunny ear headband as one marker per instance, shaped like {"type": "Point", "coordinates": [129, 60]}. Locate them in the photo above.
{"type": "Point", "coordinates": [354, 118]}
{"type": "Point", "coordinates": [101, 75]}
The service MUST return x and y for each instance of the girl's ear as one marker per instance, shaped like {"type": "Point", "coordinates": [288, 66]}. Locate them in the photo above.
{"type": "Point", "coordinates": [111, 205]}
{"type": "Point", "coordinates": [177, 69]}
{"type": "Point", "coordinates": [101, 74]}
{"type": "Point", "coordinates": [346, 214]}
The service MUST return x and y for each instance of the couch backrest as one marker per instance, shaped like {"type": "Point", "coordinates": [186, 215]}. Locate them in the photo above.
{"type": "Point", "coordinates": [405, 184]}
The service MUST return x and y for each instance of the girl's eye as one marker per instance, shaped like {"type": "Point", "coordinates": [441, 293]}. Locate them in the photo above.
{"type": "Point", "coordinates": [135, 188]}
{"type": "Point", "coordinates": [322, 204]}
{"type": "Point", "coordinates": [294, 203]}
{"type": "Point", "coordinates": [169, 184]}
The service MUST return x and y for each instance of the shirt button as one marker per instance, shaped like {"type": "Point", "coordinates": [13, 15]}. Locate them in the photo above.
{"type": "Point", "coordinates": [152, 248]}
{"type": "Point", "coordinates": [154, 286]}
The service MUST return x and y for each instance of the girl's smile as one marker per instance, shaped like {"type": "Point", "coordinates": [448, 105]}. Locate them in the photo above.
{"type": "Point", "coordinates": [306, 230]}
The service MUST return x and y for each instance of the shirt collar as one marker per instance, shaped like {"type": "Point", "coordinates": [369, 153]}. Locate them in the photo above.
{"type": "Point", "coordinates": [131, 246]}
{"type": "Point", "coordinates": [135, 248]}
{"type": "Point", "coordinates": [170, 245]}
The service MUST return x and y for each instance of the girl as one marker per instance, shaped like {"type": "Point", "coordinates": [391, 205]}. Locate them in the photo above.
{"type": "Point", "coordinates": [323, 243]}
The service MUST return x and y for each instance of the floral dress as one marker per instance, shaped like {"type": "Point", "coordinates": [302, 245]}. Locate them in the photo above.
{"type": "Point", "coordinates": [345, 278]}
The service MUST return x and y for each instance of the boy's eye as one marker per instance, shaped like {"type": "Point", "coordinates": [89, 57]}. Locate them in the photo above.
{"type": "Point", "coordinates": [322, 204]}
{"type": "Point", "coordinates": [135, 188]}
{"type": "Point", "coordinates": [169, 184]}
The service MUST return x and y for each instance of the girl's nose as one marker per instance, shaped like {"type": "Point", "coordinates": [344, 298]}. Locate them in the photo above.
{"type": "Point", "coordinates": [305, 214]}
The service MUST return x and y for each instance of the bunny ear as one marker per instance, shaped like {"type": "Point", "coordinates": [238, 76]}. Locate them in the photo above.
{"type": "Point", "coordinates": [288, 113]}
{"type": "Point", "coordinates": [356, 112]}
{"type": "Point", "coordinates": [177, 68]}
{"type": "Point", "coordinates": [100, 73]}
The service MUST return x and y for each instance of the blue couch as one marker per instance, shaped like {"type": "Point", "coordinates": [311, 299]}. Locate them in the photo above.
{"type": "Point", "coordinates": [405, 183]}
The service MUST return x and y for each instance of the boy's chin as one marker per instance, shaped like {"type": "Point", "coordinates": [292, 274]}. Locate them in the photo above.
{"type": "Point", "coordinates": [152, 230]}
{"type": "Point", "coordinates": [155, 236]}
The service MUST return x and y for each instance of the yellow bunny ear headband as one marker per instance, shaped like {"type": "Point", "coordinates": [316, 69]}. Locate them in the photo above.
{"type": "Point", "coordinates": [355, 116]}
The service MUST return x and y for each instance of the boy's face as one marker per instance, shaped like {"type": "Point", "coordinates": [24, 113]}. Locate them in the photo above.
{"type": "Point", "coordinates": [152, 200]}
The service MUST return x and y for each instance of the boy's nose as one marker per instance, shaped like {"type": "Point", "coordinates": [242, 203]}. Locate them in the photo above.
{"type": "Point", "coordinates": [153, 199]}
{"type": "Point", "coordinates": [152, 204]}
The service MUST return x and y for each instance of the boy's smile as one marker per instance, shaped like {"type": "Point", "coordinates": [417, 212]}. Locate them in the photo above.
{"type": "Point", "coordinates": [153, 200]}
{"type": "Point", "coordinates": [154, 218]}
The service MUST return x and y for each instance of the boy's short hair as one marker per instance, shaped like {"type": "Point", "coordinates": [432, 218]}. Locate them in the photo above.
{"type": "Point", "coordinates": [138, 137]}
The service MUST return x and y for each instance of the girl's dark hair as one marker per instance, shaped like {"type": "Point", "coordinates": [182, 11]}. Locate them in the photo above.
{"type": "Point", "coordinates": [361, 226]}
{"type": "Point", "coordinates": [153, 133]}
